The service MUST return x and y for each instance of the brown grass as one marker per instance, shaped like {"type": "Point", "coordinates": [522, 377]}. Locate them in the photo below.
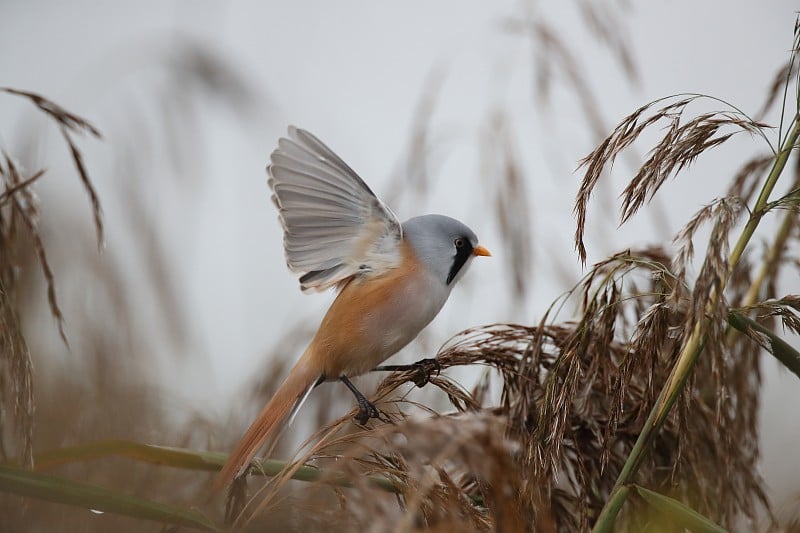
{"type": "Point", "coordinates": [120, 309]}
{"type": "Point", "coordinates": [19, 225]}
{"type": "Point", "coordinates": [540, 439]}
{"type": "Point", "coordinates": [572, 397]}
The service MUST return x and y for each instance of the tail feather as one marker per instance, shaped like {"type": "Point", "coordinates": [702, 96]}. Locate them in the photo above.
{"type": "Point", "coordinates": [277, 414]}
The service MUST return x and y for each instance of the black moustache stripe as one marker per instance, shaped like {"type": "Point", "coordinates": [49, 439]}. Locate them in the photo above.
{"type": "Point", "coordinates": [462, 255]}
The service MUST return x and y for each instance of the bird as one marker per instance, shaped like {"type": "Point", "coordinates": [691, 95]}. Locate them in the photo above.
{"type": "Point", "coordinates": [392, 278]}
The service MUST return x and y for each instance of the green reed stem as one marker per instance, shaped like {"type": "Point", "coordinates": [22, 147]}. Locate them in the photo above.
{"type": "Point", "coordinates": [693, 347]}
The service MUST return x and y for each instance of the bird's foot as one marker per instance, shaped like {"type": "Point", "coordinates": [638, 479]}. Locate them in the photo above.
{"type": "Point", "coordinates": [236, 499]}
{"type": "Point", "coordinates": [366, 410]}
{"type": "Point", "coordinates": [424, 369]}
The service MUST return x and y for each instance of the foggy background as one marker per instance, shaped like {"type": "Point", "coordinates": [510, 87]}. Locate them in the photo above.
{"type": "Point", "coordinates": [191, 98]}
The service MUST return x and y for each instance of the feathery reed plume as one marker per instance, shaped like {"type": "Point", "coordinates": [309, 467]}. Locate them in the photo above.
{"type": "Point", "coordinates": [564, 441]}
{"type": "Point", "coordinates": [19, 227]}
{"type": "Point", "coordinates": [69, 124]}
{"type": "Point", "coordinates": [124, 307]}
{"type": "Point", "coordinates": [566, 419]}
{"type": "Point", "coordinates": [579, 399]}
{"type": "Point", "coordinates": [682, 143]}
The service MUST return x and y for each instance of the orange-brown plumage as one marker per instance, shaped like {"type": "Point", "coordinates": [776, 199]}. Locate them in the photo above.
{"type": "Point", "coordinates": [392, 278]}
{"type": "Point", "coordinates": [301, 378]}
{"type": "Point", "coordinates": [346, 343]}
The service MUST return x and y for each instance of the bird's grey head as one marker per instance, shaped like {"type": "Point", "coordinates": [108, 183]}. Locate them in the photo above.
{"type": "Point", "coordinates": [443, 244]}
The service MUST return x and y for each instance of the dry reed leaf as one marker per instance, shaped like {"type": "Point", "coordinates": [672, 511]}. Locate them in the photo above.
{"type": "Point", "coordinates": [97, 210]}
{"type": "Point", "coordinates": [70, 121]}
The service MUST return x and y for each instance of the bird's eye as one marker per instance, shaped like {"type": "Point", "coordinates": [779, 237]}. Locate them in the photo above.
{"type": "Point", "coordinates": [459, 243]}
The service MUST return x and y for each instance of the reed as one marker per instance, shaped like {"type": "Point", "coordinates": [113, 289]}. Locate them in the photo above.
{"type": "Point", "coordinates": [632, 404]}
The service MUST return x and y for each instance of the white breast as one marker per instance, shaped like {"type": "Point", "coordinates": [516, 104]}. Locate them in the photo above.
{"type": "Point", "coordinates": [399, 320]}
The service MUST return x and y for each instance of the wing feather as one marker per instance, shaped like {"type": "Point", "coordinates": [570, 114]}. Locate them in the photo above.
{"type": "Point", "coordinates": [334, 225]}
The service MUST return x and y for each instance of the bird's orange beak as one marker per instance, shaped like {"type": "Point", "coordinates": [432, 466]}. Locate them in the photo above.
{"type": "Point", "coordinates": [480, 250]}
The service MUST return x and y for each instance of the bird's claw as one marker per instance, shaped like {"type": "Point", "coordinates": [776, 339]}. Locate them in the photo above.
{"type": "Point", "coordinates": [424, 369]}
{"type": "Point", "coordinates": [366, 410]}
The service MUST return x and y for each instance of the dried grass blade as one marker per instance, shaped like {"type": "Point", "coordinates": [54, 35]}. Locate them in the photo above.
{"type": "Point", "coordinates": [28, 213]}
{"type": "Point", "coordinates": [68, 120]}
{"type": "Point", "coordinates": [13, 189]}
{"type": "Point", "coordinates": [97, 210]}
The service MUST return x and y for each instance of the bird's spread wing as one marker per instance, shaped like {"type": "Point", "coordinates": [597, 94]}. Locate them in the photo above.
{"type": "Point", "coordinates": [334, 225]}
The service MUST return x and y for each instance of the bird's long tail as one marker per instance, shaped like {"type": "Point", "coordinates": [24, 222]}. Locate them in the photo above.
{"type": "Point", "coordinates": [281, 408]}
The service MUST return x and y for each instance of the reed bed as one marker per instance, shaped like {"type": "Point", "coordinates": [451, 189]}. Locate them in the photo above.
{"type": "Point", "coordinates": [632, 404]}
